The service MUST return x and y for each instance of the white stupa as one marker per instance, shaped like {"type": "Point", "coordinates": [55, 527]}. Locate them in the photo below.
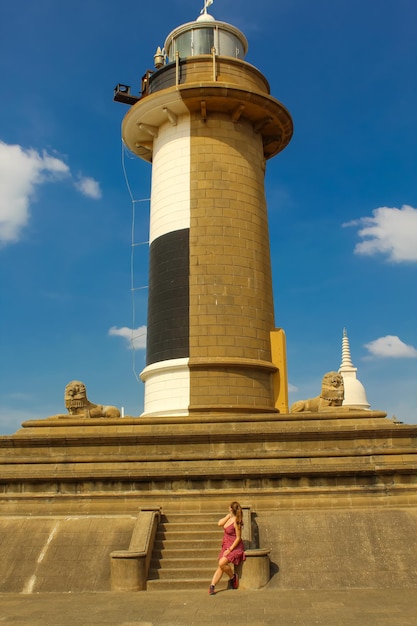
{"type": "Point", "coordinates": [355, 395]}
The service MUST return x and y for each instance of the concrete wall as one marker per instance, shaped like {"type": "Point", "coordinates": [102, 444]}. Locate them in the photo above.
{"type": "Point", "coordinates": [336, 549]}
{"type": "Point", "coordinates": [62, 554]}
{"type": "Point", "coordinates": [326, 549]}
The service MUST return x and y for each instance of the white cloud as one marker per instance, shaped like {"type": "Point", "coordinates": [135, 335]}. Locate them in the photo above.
{"type": "Point", "coordinates": [135, 337]}
{"type": "Point", "coordinates": [391, 346]}
{"type": "Point", "coordinates": [88, 187]}
{"type": "Point", "coordinates": [389, 231]}
{"type": "Point", "coordinates": [21, 171]}
{"type": "Point", "coordinates": [292, 388]}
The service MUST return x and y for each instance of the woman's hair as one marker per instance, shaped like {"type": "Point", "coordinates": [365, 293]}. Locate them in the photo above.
{"type": "Point", "coordinates": [237, 512]}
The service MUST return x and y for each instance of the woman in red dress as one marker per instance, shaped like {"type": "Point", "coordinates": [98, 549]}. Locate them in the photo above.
{"type": "Point", "coordinates": [232, 550]}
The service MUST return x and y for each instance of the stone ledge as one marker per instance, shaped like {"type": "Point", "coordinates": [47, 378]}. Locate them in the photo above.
{"type": "Point", "coordinates": [205, 417]}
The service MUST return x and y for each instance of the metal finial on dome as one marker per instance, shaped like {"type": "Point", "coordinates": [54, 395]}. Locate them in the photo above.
{"type": "Point", "coordinates": [207, 3]}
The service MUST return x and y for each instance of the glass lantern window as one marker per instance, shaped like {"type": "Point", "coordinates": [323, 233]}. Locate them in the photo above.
{"type": "Point", "coordinates": [203, 41]}
{"type": "Point", "coordinates": [229, 45]}
{"type": "Point", "coordinates": [198, 41]}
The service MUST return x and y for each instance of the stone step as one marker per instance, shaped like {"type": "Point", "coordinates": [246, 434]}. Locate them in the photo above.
{"type": "Point", "coordinates": [192, 527]}
{"type": "Point", "coordinates": [192, 535]}
{"type": "Point", "coordinates": [183, 583]}
{"type": "Point", "coordinates": [197, 524]}
{"type": "Point", "coordinates": [184, 544]}
{"type": "Point", "coordinates": [168, 553]}
{"type": "Point", "coordinates": [177, 557]}
{"type": "Point", "coordinates": [186, 573]}
{"type": "Point", "coordinates": [187, 561]}
{"type": "Point", "coordinates": [187, 518]}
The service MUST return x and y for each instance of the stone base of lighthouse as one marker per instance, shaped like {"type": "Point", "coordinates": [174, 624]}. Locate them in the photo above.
{"type": "Point", "coordinates": [345, 457]}
{"type": "Point", "coordinates": [333, 496]}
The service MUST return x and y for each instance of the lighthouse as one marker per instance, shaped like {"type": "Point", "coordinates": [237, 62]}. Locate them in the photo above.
{"type": "Point", "coordinates": [207, 123]}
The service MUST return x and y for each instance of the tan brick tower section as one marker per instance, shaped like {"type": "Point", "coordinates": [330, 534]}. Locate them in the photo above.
{"type": "Point", "coordinates": [231, 303]}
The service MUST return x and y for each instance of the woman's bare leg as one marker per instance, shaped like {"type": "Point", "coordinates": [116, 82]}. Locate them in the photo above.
{"type": "Point", "coordinates": [223, 568]}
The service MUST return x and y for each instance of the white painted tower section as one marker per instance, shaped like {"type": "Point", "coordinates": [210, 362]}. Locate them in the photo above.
{"type": "Point", "coordinates": [170, 197]}
{"type": "Point", "coordinates": [355, 395]}
{"type": "Point", "coordinates": [167, 383]}
{"type": "Point", "coordinates": [167, 388]}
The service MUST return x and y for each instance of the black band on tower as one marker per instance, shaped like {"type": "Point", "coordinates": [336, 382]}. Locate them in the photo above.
{"type": "Point", "coordinates": [168, 300]}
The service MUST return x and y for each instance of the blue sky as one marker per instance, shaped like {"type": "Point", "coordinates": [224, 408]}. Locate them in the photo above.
{"type": "Point", "coordinates": [342, 197]}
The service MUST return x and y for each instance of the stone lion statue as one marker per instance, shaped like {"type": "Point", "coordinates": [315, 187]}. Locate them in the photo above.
{"type": "Point", "coordinates": [332, 394]}
{"type": "Point", "coordinates": [78, 404]}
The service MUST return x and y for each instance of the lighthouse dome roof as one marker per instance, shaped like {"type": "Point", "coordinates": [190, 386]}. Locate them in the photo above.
{"type": "Point", "coordinates": [205, 17]}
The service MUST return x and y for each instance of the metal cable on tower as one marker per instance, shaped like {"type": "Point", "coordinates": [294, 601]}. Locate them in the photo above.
{"type": "Point", "coordinates": [134, 245]}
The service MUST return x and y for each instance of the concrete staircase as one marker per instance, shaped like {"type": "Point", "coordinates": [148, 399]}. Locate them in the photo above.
{"type": "Point", "coordinates": [185, 552]}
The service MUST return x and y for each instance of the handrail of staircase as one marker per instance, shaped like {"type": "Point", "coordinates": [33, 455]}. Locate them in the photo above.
{"type": "Point", "coordinates": [129, 568]}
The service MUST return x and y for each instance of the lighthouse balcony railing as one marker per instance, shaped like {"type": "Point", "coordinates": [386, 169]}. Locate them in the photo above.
{"type": "Point", "coordinates": [208, 68]}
